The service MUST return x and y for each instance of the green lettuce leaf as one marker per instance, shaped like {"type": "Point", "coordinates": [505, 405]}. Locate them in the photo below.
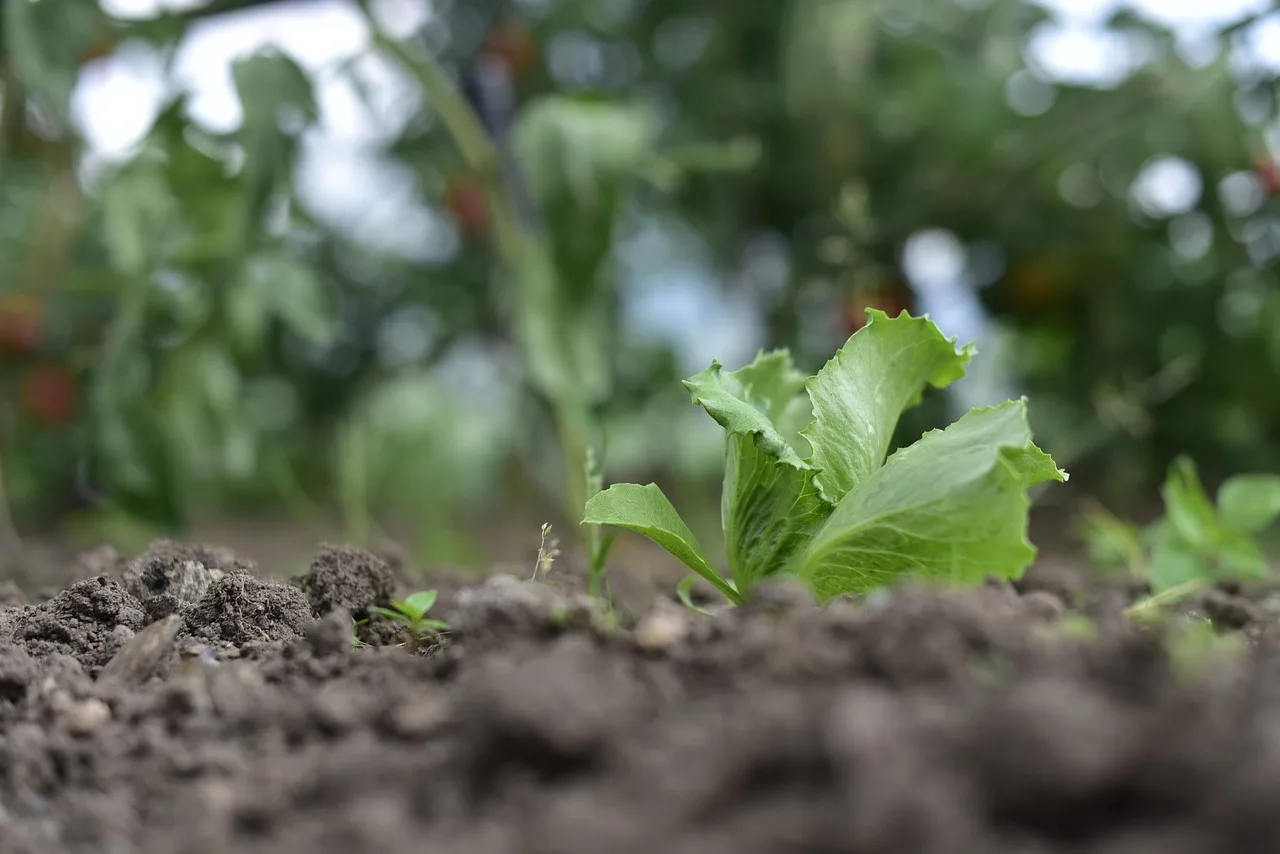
{"type": "Point", "coordinates": [860, 394]}
{"type": "Point", "coordinates": [748, 402]}
{"type": "Point", "coordinates": [951, 507]}
{"type": "Point", "coordinates": [1250, 502]}
{"type": "Point", "coordinates": [770, 505]}
{"type": "Point", "coordinates": [645, 510]}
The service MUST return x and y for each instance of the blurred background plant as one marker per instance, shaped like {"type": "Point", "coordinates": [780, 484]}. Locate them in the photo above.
{"type": "Point", "coordinates": [407, 263]}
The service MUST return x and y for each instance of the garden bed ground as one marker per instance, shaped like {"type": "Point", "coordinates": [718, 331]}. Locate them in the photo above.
{"type": "Point", "coordinates": [182, 703]}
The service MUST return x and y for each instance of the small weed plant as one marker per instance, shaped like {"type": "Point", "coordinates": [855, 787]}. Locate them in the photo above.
{"type": "Point", "coordinates": [548, 551]}
{"type": "Point", "coordinates": [811, 491]}
{"type": "Point", "coordinates": [1198, 541]}
{"type": "Point", "coordinates": [411, 612]}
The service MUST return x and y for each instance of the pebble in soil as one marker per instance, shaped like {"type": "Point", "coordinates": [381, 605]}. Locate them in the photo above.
{"type": "Point", "coordinates": [169, 576]}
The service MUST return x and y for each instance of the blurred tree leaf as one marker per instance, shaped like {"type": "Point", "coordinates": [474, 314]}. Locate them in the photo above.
{"type": "Point", "coordinates": [577, 147]}
{"type": "Point", "coordinates": [138, 214]}
{"type": "Point", "coordinates": [827, 48]}
{"type": "Point", "coordinates": [578, 157]}
{"type": "Point", "coordinates": [274, 285]}
{"type": "Point", "coordinates": [278, 104]}
{"type": "Point", "coordinates": [199, 398]}
{"type": "Point", "coordinates": [45, 40]}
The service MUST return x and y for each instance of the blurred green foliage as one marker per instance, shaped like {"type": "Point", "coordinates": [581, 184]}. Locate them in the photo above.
{"type": "Point", "coordinates": [181, 334]}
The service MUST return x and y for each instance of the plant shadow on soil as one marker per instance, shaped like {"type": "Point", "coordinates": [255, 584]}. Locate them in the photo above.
{"type": "Point", "coordinates": [181, 702]}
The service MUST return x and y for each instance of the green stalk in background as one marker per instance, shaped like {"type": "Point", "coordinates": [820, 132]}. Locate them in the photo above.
{"type": "Point", "coordinates": [10, 542]}
{"type": "Point", "coordinates": [527, 258]}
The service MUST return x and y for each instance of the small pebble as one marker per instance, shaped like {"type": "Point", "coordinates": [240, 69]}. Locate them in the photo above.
{"type": "Point", "coordinates": [415, 719]}
{"type": "Point", "coordinates": [1044, 605]}
{"type": "Point", "coordinates": [140, 656]}
{"type": "Point", "coordinates": [661, 629]}
{"type": "Point", "coordinates": [85, 717]}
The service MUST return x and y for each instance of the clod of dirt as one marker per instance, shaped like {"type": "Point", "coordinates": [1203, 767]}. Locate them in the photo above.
{"type": "Point", "coordinates": [1229, 609]}
{"type": "Point", "coordinates": [171, 576]}
{"type": "Point", "coordinates": [504, 606]}
{"type": "Point", "coordinates": [18, 671]}
{"type": "Point", "coordinates": [516, 718]}
{"type": "Point", "coordinates": [348, 578]}
{"type": "Point", "coordinates": [1094, 594]}
{"type": "Point", "coordinates": [330, 635]}
{"type": "Point", "coordinates": [917, 720]}
{"type": "Point", "coordinates": [381, 632]}
{"type": "Point", "coordinates": [783, 596]}
{"type": "Point", "coordinates": [240, 608]}
{"type": "Point", "coordinates": [1043, 604]}
{"type": "Point", "coordinates": [89, 621]}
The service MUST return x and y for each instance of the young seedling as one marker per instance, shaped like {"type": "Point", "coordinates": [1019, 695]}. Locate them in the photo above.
{"type": "Point", "coordinates": [1196, 543]}
{"type": "Point", "coordinates": [598, 544]}
{"type": "Point", "coordinates": [412, 613]}
{"type": "Point", "coordinates": [811, 491]}
{"type": "Point", "coordinates": [355, 632]}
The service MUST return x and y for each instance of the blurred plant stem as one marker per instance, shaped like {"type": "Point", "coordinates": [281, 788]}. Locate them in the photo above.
{"type": "Point", "coordinates": [11, 112]}
{"type": "Point", "coordinates": [526, 255]}
{"type": "Point", "coordinates": [10, 541]}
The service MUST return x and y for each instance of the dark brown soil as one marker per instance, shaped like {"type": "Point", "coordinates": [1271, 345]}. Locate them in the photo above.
{"type": "Point", "coordinates": [180, 703]}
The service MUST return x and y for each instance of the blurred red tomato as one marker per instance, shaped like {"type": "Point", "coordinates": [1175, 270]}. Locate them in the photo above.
{"type": "Point", "coordinates": [48, 393]}
{"type": "Point", "coordinates": [1037, 284]}
{"type": "Point", "coordinates": [101, 48]}
{"type": "Point", "coordinates": [892, 301]}
{"type": "Point", "coordinates": [20, 321]}
{"type": "Point", "coordinates": [512, 45]}
{"type": "Point", "coordinates": [1268, 171]}
{"type": "Point", "coordinates": [466, 200]}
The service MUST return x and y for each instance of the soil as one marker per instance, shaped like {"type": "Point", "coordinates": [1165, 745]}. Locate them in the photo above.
{"type": "Point", "coordinates": [181, 702]}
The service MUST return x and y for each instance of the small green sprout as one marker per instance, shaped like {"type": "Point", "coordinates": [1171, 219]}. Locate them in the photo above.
{"type": "Point", "coordinates": [684, 592]}
{"type": "Point", "coordinates": [412, 613]}
{"type": "Point", "coordinates": [1197, 542]}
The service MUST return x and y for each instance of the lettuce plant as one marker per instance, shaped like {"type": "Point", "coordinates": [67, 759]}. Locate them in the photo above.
{"type": "Point", "coordinates": [810, 490]}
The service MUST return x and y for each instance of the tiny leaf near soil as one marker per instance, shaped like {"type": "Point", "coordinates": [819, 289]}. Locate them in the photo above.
{"type": "Point", "coordinates": [1187, 507]}
{"type": "Point", "coordinates": [418, 604]}
{"type": "Point", "coordinates": [412, 611]}
{"type": "Point", "coordinates": [807, 489]}
{"type": "Point", "coordinates": [1174, 561]}
{"type": "Point", "coordinates": [684, 592]}
{"type": "Point", "coordinates": [1112, 542]}
{"type": "Point", "coordinates": [1250, 502]}
{"type": "Point", "coordinates": [645, 510]}
{"type": "Point", "coordinates": [1196, 540]}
